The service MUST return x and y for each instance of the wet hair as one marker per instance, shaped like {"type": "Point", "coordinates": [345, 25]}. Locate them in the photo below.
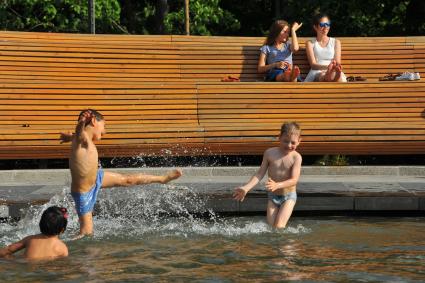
{"type": "Point", "coordinates": [53, 221]}
{"type": "Point", "coordinates": [318, 17]}
{"type": "Point", "coordinates": [96, 114]}
{"type": "Point", "coordinates": [290, 128]}
{"type": "Point", "coordinates": [275, 30]}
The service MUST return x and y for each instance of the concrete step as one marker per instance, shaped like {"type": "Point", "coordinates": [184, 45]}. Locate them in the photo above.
{"type": "Point", "coordinates": [394, 188]}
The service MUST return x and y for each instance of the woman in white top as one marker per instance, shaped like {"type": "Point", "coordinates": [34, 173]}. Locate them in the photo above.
{"type": "Point", "coordinates": [324, 54]}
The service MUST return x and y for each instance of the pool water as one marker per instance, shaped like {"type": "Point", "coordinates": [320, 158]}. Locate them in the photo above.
{"type": "Point", "coordinates": [137, 240]}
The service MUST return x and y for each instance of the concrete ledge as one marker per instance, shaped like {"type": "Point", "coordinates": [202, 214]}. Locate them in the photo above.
{"type": "Point", "coordinates": [386, 203]}
{"type": "Point", "coordinates": [421, 203]}
{"type": "Point", "coordinates": [62, 176]}
{"type": "Point", "coordinates": [320, 189]}
{"type": "Point", "coordinates": [324, 203]}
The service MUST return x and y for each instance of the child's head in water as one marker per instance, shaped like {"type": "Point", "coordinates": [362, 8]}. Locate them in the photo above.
{"type": "Point", "coordinates": [95, 120]}
{"type": "Point", "coordinates": [290, 136]}
{"type": "Point", "coordinates": [53, 221]}
{"type": "Point", "coordinates": [279, 32]}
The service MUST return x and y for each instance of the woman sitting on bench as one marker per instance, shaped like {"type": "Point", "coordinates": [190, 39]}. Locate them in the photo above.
{"type": "Point", "coordinates": [324, 54]}
{"type": "Point", "coordinates": [276, 54]}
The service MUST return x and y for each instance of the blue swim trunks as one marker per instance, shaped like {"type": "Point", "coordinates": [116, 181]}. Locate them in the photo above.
{"type": "Point", "coordinates": [84, 202]}
{"type": "Point", "coordinates": [278, 200]}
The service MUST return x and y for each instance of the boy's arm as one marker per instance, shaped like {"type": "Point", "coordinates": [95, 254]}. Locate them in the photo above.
{"type": "Point", "coordinates": [295, 175]}
{"type": "Point", "coordinates": [13, 248]}
{"type": "Point", "coordinates": [80, 132]}
{"type": "Point", "coordinates": [240, 192]}
{"type": "Point", "coordinates": [66, 137]}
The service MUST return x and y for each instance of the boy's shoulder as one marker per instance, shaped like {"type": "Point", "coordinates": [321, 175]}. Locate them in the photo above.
{"type": "Point", "coordinates": [271, 150]}
{"type": "Point", "coordinates": [296, 155]}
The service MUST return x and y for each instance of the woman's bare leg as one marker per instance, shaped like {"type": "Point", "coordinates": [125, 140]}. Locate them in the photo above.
{"type": "Point", "coordinates": [338, 71]}
{"type": "Point", "coordinates": [295, 73]}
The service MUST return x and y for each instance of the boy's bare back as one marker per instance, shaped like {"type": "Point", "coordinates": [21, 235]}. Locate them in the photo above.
{"type": "Point", "coordinates": [44, 247]}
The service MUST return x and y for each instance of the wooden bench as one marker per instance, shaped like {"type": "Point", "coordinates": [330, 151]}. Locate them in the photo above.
{"type": "Point", "coordinates": [140, 119]}
{"type": "Point", "coordinates": [162, 95]}
{"type": "Point", "coordinates": [364, 118]}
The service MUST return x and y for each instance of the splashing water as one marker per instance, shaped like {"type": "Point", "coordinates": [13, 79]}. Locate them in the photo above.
{"type": "Point", "coordinates": [166, 210]}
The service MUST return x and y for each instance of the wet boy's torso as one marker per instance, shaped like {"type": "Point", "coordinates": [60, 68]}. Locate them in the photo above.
{"type": "Point", "coordinates": [280, 166]}
{"type": "Point", "coordinates": [83, 164]}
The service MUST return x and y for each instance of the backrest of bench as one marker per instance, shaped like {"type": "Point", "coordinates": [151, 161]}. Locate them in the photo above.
{"type": "Point", "coordinates": [212, 58]}
{"type": "Point", "coordinates": [361, 118]}
{"type": "Point", "coordinates": [79, 58]}
{"type": "Point", "coordinates": [69, 57]}
{"type": "Point", "coordinates": [144, 118]}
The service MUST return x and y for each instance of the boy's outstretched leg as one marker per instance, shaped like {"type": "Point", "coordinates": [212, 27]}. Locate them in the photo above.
{"type": "Point", "coordinates": [113, 179]}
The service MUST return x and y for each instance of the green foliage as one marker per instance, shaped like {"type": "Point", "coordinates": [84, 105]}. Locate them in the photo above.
{"type": "Point", "coordinates": [333, 160]}
{"type": "Point", "coordinates": [216, 17]}
{"type": "Point", "coordinates": [206, 18]}
{"type": "Point", "coordinates": [58, 15]}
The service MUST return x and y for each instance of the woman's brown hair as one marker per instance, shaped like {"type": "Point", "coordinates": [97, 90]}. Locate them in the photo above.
{"type": "Point", "coordinates": [275, 30]}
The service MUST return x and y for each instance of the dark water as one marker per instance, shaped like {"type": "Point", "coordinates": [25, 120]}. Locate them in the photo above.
{"type": "Point", "coordinates": [136, 241]}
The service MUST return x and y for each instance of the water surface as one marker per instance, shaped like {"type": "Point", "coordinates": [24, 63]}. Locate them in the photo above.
{"type": "Point", "coordinates": [137, 240]}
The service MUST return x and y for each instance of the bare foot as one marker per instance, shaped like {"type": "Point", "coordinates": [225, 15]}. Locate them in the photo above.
{"type": "Point", "coordinates": [338, 70]}
{"type": "Point", "coordinates": [172, 175]}
{"type": "Point", "coordinates": [287, 75]}
{"type": "Point", "coordinates": [80, 236]}
{"type": "Point", "coordinates": [295, 73]}
{"type": "Point", "coordinates": [329, 71]}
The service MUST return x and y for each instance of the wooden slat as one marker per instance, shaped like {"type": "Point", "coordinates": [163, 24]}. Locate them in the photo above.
{"type": "Point", "coordinates": [161, 95]}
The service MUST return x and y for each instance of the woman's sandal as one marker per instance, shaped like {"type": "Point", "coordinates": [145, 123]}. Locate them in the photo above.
{"type": "Point", "coordinates": [356, 79]}
{"type": "Point", "coordinates": [230, 79]}
{"type": "Point", "coordinates": [389, 77]}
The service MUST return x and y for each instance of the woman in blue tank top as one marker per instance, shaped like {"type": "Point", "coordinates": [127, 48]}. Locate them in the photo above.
{"type": "Point", "coordinates": [276, 53]}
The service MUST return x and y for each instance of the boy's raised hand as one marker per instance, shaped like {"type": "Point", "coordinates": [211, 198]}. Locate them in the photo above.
{"type": "Point", "coordinates": [296, 26]}
{"type": "Point", "coordinates": [239, 194]}
{"type": "Point", "coordinates": [65, 137]}
{"type": "Point", "coordinates": [85, 117]}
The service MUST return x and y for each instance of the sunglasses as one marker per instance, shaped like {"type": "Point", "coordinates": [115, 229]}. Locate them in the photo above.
{"type": "Point", "coordinates": [325, 25]}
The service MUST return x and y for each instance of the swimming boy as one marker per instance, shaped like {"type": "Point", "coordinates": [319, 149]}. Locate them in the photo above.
{"type": "Point", "coordinates": [46, 245]}
{"type": "Point", "coordinates": [87, 177]}
{"type": "Point", "coordinates": [283, 165]}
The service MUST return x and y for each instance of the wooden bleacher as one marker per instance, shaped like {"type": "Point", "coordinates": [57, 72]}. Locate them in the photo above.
{"type": "Point", "coordinates": [162, 95]}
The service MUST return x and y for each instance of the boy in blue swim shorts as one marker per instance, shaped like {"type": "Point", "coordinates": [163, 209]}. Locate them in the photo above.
{"type": "Point", "coordinates": [283, 165]}
{"type": "Point", "coordinates": [87, 177]}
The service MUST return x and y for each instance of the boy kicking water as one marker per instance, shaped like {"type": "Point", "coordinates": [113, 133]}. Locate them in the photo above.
{"type": "Point", "coordinates": [88, 176]}
{"type": "Point", "coordinates": [283, 165]}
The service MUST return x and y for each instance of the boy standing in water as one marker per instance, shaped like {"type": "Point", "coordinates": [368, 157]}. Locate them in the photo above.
{"type": "Point", "coordinates": [283, 165]}
{"type": "Point", "coordinates": [46, 245]}
{"type": "Point", "coordinates": [88, 177]}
